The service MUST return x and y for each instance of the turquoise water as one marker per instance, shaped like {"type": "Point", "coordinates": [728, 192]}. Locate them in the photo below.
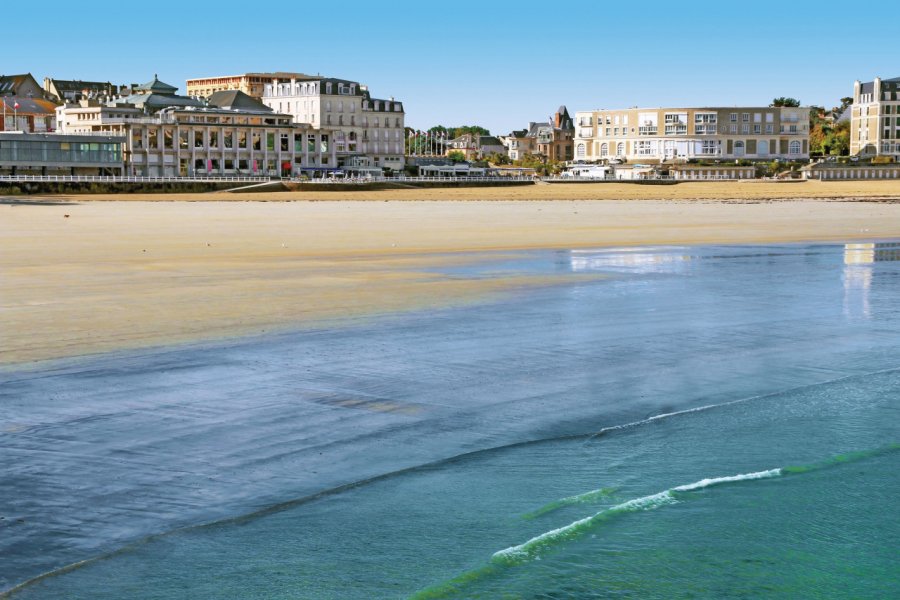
{"type": "Point", "coordinates": [807, 509]}
{"type": "Point", "coordinates": [761, 460]}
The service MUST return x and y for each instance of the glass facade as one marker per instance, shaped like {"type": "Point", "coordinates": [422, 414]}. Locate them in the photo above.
{"type": "Point", "coordinates": [24, 151]}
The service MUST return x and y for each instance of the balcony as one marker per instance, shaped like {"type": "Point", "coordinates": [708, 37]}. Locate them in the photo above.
{"type": "Point", "coordinates": [648, 130]}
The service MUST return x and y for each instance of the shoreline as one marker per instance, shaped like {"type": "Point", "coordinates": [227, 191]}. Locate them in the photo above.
{"type": "Point", "coordinates": [693, 191]}
{"type": "Point", "coordinates": [128, 275]}
{"type": "Point", "coordinates": [215, 432]}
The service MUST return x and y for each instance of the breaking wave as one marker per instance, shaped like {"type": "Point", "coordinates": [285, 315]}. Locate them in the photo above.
{"type": "Point", "coordinates": [533, 548]}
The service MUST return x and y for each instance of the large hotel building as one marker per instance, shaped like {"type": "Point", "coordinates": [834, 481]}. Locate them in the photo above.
{"type": "Point", "coordinates": [165, 134]}
{"type": "Point", "coordinates": [251, 84]}
{"type": "Point", "coordinates": [875, 118]}
{"type": "Point", "coordinates": [654, 135]}
{"type": "Point", "coordinates": [367, 131]}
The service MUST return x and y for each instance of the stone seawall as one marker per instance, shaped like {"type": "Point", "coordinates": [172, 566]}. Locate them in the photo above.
{"type": "Point", "coordinates": [27, 188]}
{"type": "Point", "coordinates": [306, 186]}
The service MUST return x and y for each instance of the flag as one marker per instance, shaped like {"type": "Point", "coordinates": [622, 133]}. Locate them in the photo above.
{"type": "Point", "coordinates": [16, 106]}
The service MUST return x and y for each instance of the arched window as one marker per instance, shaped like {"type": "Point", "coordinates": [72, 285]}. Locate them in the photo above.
{"type": "Point", "coordinates": [620, 149]}
{"type": "Point", "coordinates": [579, 151]}
{"type": "Point", "coordinates": [739, 148]}
{"type": "Point", "coordinates": [794, 147]}
{"type": "Point", "coordinates": [604, 149]}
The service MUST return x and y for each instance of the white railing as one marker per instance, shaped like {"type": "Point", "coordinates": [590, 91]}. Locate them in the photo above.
{"type": "Point", "coordinates": [132, 178]}
{"type": "Point", "coordinates": [609, 178]}
{"type": "Point", "coordinates": [363, 180]}
{"type": "Point", "coordinates": [118, 133]}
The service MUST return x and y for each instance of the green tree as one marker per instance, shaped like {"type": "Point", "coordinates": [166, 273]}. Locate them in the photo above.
{"type": "Point", "coordinates": [473, 129]}
{"type": "Point", "coordinates": [837, 141]}
{"type": "Point", "coordinates": [783, 101]}
{"type": "Point", "coordinates": [532, 161]}
{"type": "Point", "coordinates": [845, 103]}
{"type": "Point", "coordinates": [818, 136]}
{"type": "Point", "coordinates": [455, 132]}
{"type": "Point", "coordinates": [456, 156]}
{"type": "Point", "coordinates": [496, 158]}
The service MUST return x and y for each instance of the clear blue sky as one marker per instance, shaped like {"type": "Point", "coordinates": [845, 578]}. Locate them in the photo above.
{"type": "Point", "coordinates": [495, 63]}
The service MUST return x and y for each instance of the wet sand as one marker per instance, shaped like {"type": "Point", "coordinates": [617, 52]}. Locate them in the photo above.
{"type": "Point", "coordinates": [81, 277]}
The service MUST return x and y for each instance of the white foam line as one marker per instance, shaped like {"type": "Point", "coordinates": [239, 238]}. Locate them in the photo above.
{"type": "Point", "coordinates": [523, 551]}
{"type": "Point", "coordinates": [741, 400]}
{"type": "Point", "coordinates": [704, 483]}
{"type": "Point", "coordinates": [663, 416]}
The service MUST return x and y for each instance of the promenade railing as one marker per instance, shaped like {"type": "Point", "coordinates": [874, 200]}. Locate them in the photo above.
{"type": "Point", "coordinates": [133, 179]}
{"type": "Point", "coordinates": [414, 179]}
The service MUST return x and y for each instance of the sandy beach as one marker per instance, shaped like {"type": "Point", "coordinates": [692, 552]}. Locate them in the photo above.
{"type": "Point", "coordinates": [82, 275]}
{"type": "Point", "coordinates": [725, 190]}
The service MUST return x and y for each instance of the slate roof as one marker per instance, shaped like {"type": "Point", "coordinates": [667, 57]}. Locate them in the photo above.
{"type": "Point", "coordinates": [868, 87]}
{"type": "Point", "coordinates": [157, 87]}
{"type": "Point", "coordinates": [489, 140]}
{"type": "Point", "coordinates": [236, 99]}
{"type": "Point", "coordinates": [383, 106]}
{"type": "Point", "coordinates": [534, 129]}
{"type": "Point", "coordinates": [154, 102]}
{"type": "Point", "coordinates": [29, 106]}
{"type": "Point", "coordinates": [75, 85]}
{"type": "Point", "coordinates": [10, 84]}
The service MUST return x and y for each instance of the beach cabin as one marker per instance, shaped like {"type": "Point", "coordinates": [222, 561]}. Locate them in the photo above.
{"type": "Point", "coordinates": [588, 172]}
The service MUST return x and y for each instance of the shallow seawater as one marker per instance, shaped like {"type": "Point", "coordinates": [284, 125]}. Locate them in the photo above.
{"type": "Point", "coordinates": [805, 510]}
{"type": "Point", "coordinates": [704, 423]}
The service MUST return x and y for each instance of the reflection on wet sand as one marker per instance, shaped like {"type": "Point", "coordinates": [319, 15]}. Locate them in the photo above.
{"type": "Point", "coordinates": [648, 259]}
{"type": "Point", "coordinates": [863, 254]}
{"type": "Point", "coordinates": [857, 275]}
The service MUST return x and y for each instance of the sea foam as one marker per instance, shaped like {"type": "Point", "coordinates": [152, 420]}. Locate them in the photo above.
{"type": "Point", "coordinates": [533, 547]}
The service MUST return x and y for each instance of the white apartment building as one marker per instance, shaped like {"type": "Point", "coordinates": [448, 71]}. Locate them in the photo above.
{"type": "Point", "coordinates": [655, 135]}
{"type": "Point", "coordinates": [367, 131]}
{"type": "Point", "coordinates": [875, 118]}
